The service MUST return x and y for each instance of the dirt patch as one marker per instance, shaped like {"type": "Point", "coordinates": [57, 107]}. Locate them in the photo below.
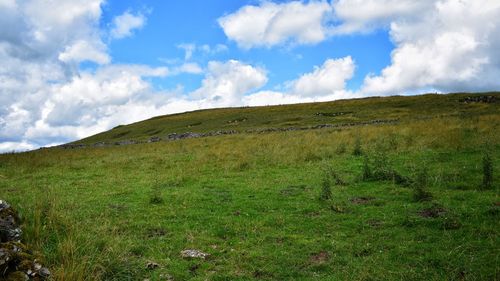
{"type": "Point", "coordinates": [320, 257]}
{"type": "Point", "coordinates": [362, 200]}
{"type": "Point", "coordinates": [432, 212]}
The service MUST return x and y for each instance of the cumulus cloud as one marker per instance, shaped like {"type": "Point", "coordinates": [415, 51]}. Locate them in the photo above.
{"type": "Point", "coordinates": [367, 15]}
{"type": "Point", "coordinates": [15, 146]}
{"type": "Point", "coordinates": [44, 97]}
{"type": "Point", "coordinates": [326, 79]}
{"type": "Point", "coordinates": [269, 23]}
{"type": "Point", "coordinates": [83, 51]}
{"type": "Point", "coordinates": [123, 25]}
{"type": "Point", "coordinates": [226, 83]}
{"type": "Point", "coordinates": [447, 48]}
{"type": "Point", "coordinates": [446, 45]}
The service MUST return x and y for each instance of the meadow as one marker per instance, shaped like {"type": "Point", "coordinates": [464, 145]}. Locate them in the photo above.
{"type": "Point", "coordinates": [410, 200]}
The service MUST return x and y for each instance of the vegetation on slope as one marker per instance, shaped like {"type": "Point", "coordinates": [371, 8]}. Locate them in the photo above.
{"type": "Point", "coordinates": [298, 115]}
{"type": "Point", "coordinates": [416, 200]}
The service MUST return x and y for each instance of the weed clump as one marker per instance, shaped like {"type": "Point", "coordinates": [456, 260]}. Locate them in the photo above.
{"type": "Point", "coordinates": [451, 222]}
{"type": "Point", "coordinates": [420, 186]}
{"type": "Point", "coordinates": [367, 171]}
{"type": "Point", "coordinates": [330, 177]}
{"type": "Point", "coordinates": [156, 197]}
{"type": "Point", "coordinates": [341, 149]}
{"type": "Point", "coordinates": [380, 169]}
{"type": "Point", "coordinates": [326, 190]}
{"type": "Point", "coordinates": [487, 171]}
{"type": "Point", "coordinates": [357, 151]}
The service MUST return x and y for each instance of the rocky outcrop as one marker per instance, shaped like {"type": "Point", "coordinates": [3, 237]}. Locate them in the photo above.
{"type": "Point", "coordinates": [125, 142]}
{"type": "Point", "coordinates": [17, 262]}
{"type": "Point", "coordinates": [475, 99]}
{"type": "Point", "coordinates": [325, 126]}
{"type": "Point", "coordinates": [333, 114]}
{"type": "Point", "coordinates": [154, 139]}
{"type": "Point", "coordinates": [192, 135]}
{"type": "Point", "coordinates": [9, 224]}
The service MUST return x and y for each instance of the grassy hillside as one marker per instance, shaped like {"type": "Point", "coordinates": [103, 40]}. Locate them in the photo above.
{"type": "Point", "coordinates": [298, 115]}
{"type": "Point", "coordinates": [395, 201]}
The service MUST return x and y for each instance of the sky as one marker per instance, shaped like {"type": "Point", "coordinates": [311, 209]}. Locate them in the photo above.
{"type": "Point", "coordinates": [73, 68]}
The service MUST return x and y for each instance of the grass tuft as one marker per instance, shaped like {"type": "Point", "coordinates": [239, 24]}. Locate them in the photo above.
{"type": "Point", "coordinates": [487, 170]}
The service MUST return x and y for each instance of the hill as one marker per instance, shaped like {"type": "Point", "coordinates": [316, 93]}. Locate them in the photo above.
{"type": "Point", "coordinates": [396, 188]}
{"type": "Point", "coordinates": [296, 116]}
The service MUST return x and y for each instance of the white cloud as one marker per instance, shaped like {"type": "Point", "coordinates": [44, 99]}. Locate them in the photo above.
{"type": "Point", "coordinates": [44, 98]}
{"type": "Point", "coordinates": [447, 45]}
{"type": "Point", "coordinates": [211, 50]}
{"type": "Point", "coordinates": [226, 83]}
{"type": "Point", "coordinates": [188, 67]}
{"type": "Point", "coordinates": [82, 51]}
{"type": "Point", "coordinates": [191, 48]}
{"type": "Point", "coordinates": [273, 98]}
{"type": "Point", "coordinates": [366, 15]}
{"type": "Point", "coordinates": [15, 146]}
{"type": "Point", "coordinates": [325, 80]}
{"type": "Point", "coordinates": [270, 24]}
{"type": "Point", "coordinates": [123, 25]}
{"type": "Point", "coordinates": [447, 48]}
{"type": "Point", "coordinates": [188, 50]}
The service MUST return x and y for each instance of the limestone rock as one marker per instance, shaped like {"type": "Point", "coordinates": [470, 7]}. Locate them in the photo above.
{"type": "Point", "coordinates": [17, 262]}
{"type": "Point", "coordinates": [194, 254]}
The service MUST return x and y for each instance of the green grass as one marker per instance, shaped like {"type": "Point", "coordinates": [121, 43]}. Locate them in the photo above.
{"type": "Point", "coordinates": [298, 115]}
{"type": "Point", "coordinates": [252, 200]}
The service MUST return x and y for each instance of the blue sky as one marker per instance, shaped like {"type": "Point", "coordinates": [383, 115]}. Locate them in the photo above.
{"type": "Point", "coordinates": [73, 68]}
{"type": "Point", "coordinates": [168, 26]}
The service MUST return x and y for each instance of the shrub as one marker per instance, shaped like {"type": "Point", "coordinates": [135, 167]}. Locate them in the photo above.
{"type": "Point", "coordinates": [487, 171]}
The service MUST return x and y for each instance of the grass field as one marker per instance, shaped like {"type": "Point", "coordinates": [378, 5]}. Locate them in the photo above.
{"type": "Point", "coordinates": [402, 201]}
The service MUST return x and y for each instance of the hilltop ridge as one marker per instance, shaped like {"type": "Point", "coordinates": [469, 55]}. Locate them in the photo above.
{"type": "Point", "coordinates": [262, 119]}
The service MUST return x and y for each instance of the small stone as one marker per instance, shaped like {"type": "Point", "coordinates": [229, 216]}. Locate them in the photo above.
{"type": "Point", "coordinates": [37, 266]}
{"type": "Point", "coordinates": [166, 277]}
{"type": "Point", "coordinates": [44, 272]}
{"type": "Point", "coordinates": [191, 253]}
{"type": "Point", "coordinates": [151, 265]}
